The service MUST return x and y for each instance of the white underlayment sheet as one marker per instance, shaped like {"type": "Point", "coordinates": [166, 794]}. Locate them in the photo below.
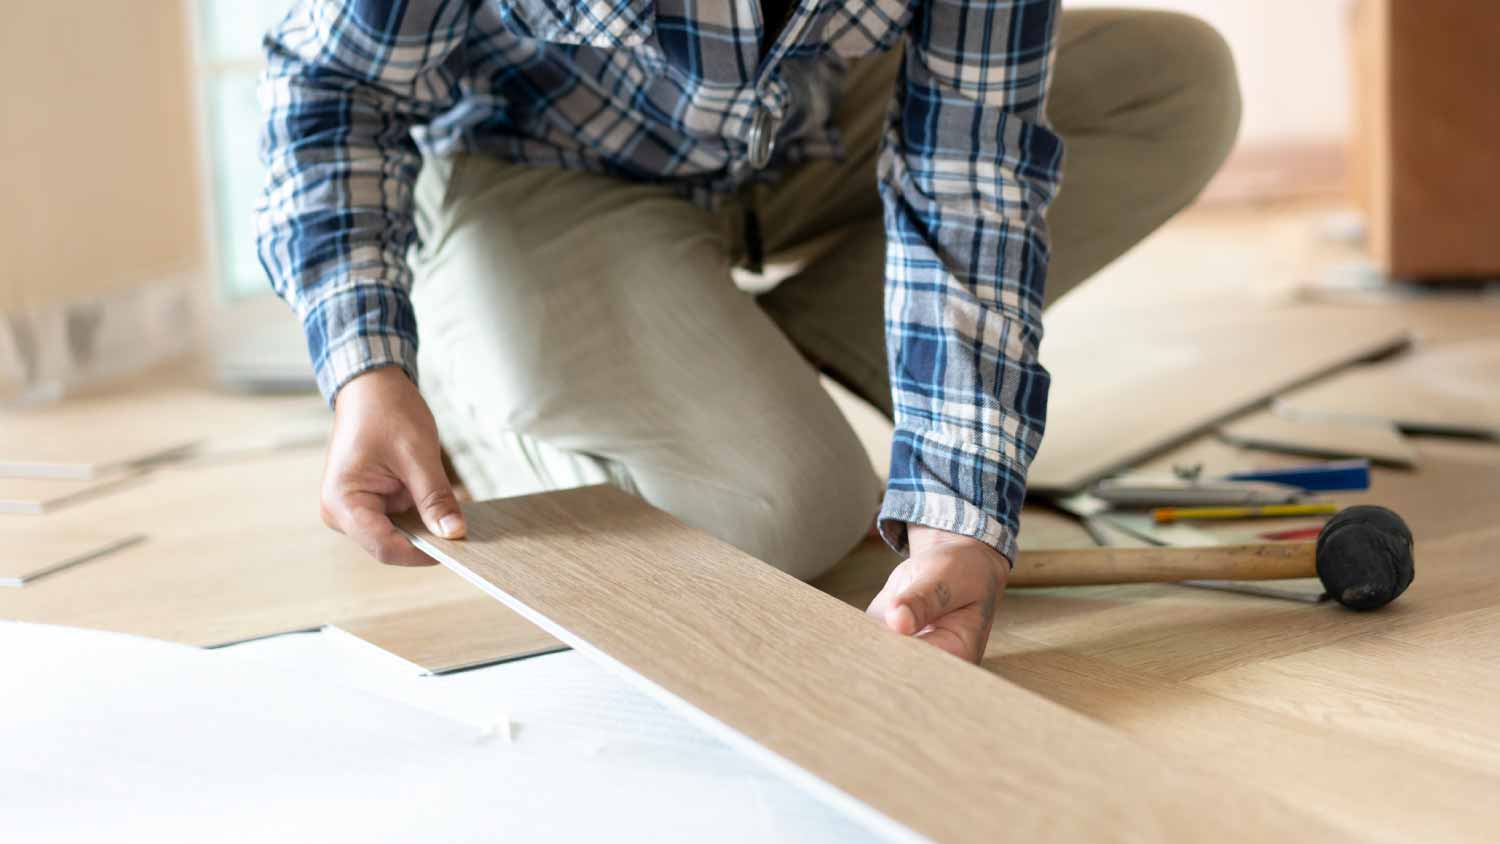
{"type": "Point", "coordinates": [305, 738]}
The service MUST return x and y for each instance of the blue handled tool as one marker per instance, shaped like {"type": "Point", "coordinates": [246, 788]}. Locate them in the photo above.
{"type": "Point", "coordinates": [1334, 476]}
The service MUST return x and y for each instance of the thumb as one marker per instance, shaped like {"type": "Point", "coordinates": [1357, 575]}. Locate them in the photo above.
{"type": "Point", "coordinates": [436, 504]}
{"type": "Point", "coordinates": [942, 583]}
{"type": "Point", "coordinates": [917, 605]}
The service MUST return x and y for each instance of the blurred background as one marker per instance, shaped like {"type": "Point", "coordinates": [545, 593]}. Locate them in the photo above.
{"type": "Point", "coordinates": [128, 159]}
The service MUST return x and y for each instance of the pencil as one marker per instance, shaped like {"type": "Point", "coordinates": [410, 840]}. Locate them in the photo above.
{"type": "Point", "coordinates": [1167, 515]}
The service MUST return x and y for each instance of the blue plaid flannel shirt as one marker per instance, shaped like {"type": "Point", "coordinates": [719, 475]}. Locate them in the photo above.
{"type": "Point", "coordinates": [356, 91]}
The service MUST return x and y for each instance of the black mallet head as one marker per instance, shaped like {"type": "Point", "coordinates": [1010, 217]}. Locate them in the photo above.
{"type": "Point", "coordinates": [1364, 557]}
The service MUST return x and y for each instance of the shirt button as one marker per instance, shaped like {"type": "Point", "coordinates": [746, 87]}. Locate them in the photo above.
{"type": "Point", "coordinates": [762, 138]}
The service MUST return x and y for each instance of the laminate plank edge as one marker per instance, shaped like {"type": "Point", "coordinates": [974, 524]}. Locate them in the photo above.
{"type": "Point", "coordinates": [902, 737]}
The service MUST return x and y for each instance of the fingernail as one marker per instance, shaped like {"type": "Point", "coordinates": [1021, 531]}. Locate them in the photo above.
{"type": "Point", "coordinates": [451, 526]}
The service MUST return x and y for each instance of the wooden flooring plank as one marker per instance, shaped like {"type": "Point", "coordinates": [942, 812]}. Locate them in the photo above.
{"type": "Point", "coordinates": [887, 727]}
{"type": "Point", "coordinates": [36, 496]}
{"type": "Point", "coordinates": [1376, 687]}
{"type": "Point", "coordinates": [236, 550]}
{"type": "Point", "coordinates": [157, 416]}
{"type": "Point", "coordinates": [1345, 778]}
{"type": "Point", "coordinates": [1182, 634]}
{"type": "Point", "coordinates": [1474, 634]}
{"type": "Point", "coordinates": [39, 556]}
{"type": "Point", "coordinates": [453, 635]}
{"type": "Point", "coordinates": [1168, 380]}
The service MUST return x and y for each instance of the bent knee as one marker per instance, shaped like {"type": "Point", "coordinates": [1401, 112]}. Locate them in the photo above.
{"type": "Point", "coordinates": [806, 525]}
{"type": "Point", "coordinates": [798, 516]}
{"type": "Point", "coordinates": [1205, 111]}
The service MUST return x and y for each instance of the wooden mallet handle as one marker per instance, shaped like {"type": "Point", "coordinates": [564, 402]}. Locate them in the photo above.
{"type": "Point", "coordinates": [1364, 556]}
{"type": "Point", "coordinates": [1093, 566]}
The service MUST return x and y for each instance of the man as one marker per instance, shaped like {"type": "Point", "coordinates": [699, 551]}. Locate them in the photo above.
{"type": "Point", "coordinates": [571, 182]}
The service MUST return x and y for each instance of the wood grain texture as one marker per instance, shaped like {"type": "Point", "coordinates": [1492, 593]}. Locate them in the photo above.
{"type": "Point", "coordinates": [236, 551]}
{"type": "Point", "coordinates": [927, 742]}
{"type": "Point", "coordinates": [453, 635]}
{"type": "Point", "coordinates": [1474, 634]}
{"type": "Point", "coordinates": [1375, 789]}
{"type": "Point", "coordinates": [1095, 566]}
{"type": "Point", "coordinates": [1162, 382]}
{"type": "Point", "coordinates": [1377, 687]}
{"type": "Point", "coordinates": [1376, 440]}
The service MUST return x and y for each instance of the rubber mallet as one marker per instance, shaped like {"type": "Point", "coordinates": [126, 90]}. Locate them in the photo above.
{"type": "Point", "coordinates": [1363, 556]}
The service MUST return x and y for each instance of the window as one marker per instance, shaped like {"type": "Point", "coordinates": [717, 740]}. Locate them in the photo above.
{"type": "Point", "coordinates": [229, 62]}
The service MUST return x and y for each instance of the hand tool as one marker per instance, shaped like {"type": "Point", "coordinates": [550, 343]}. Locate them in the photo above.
{"type": "Point", "coordinates": [1333, 476]}
{"type": "Point", "coordinates": [1167, 515]}
{"type": "Point", "coordinates": [1363, 556]}
{"type": "Point", "coordinates": [1160, 491]}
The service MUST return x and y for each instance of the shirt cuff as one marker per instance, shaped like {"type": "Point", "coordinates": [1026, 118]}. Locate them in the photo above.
{"type": "Point", "coordinates": [945, 512]}
{"type": "Point", "coordinates": [344, 344]}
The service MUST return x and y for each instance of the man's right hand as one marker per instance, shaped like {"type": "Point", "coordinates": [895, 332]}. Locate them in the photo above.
{"type": "Point", "coordinates": [384, 458]}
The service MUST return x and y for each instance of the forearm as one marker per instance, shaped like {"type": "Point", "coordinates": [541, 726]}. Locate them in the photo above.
{"type": "Point", "coordinates": [335, 220]}
{"type": "Point", "coordinates": [967, 170]}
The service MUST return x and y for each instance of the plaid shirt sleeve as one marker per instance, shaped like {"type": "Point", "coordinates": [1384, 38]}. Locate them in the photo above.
{"type": "Point", "coordinates": [344, 85]}
{"type": "Point", "coordinates": [967, 168]}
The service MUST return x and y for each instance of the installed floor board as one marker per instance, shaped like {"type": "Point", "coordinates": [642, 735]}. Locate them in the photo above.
{"type": "Point", "coordinates": [824, 693]}
{"type": "Point", "coordinates": [1342, 777]}
{"type": "Point", "coordinates": [454, 635]}
{"type": "Point", "coordinates": [1191, 633]}
{"type": "Point", "coordinates": [236, 550]}
{"type": "Point", "coordinates": [1377, 687]}
{"type": "Point", "coordinates": [1474, 634]}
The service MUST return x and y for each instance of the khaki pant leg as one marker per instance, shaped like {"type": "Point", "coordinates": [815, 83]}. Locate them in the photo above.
{"type": "Point", "coordinates": [577, 328]}
{"type": "Point", "coordinates": [1148, 106]}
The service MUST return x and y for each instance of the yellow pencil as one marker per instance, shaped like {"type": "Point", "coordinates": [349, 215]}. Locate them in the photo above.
{"type": "Point", "coordinates": [1166, 515]}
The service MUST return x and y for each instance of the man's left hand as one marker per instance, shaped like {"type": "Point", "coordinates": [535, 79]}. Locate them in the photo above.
{"type": "Point", "coordinates": [945, 592]}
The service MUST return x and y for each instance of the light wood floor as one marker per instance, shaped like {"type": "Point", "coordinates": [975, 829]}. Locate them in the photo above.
{"type": "Point", "coordinates": [1383, 723]}
{"type": "Point", "coordinates": [1387, 722]}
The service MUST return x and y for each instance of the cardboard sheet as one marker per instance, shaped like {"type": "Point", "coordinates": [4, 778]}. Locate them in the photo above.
{"type": "Point", "coordinates": [1375, 439]}
{"type": "Point", "coordinates": [1449, 389]}
{"type": "Point", "coordinates": [1127, 389]}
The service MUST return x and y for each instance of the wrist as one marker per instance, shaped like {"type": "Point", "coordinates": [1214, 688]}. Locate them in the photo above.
{"type": "Point", "coordinates": [923, 539]}
{"type": "Point", "coordinates": [382, 380]}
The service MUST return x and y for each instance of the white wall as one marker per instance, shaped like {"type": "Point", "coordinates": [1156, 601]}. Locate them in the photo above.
{"type": "Point", "coordinates": [1293, 63]}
